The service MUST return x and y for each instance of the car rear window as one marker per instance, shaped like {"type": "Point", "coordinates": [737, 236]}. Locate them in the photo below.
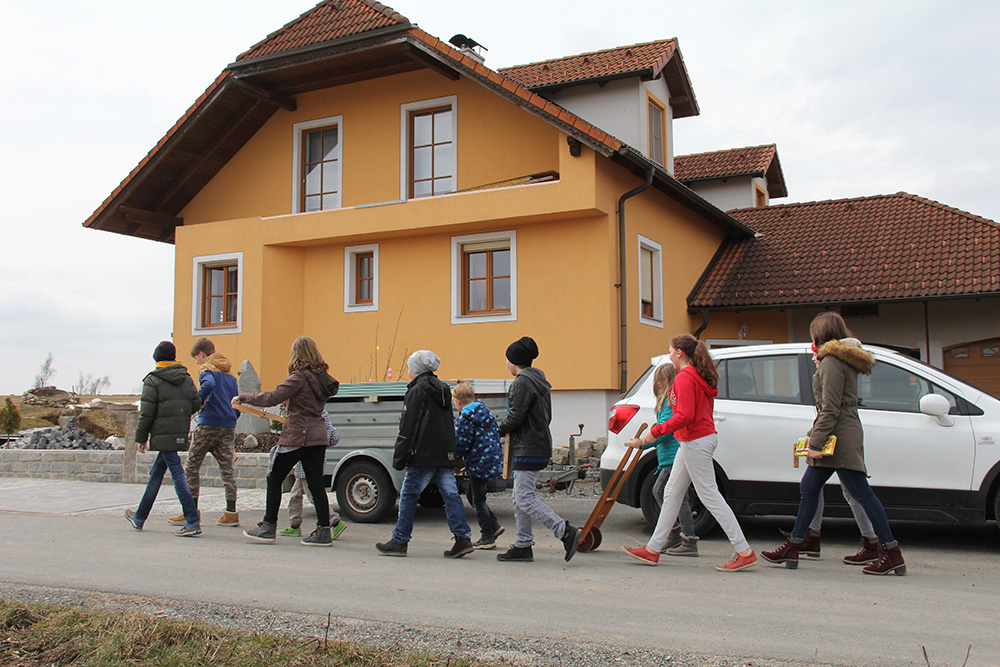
{"type": "Point", "coordinates": [772, 379]}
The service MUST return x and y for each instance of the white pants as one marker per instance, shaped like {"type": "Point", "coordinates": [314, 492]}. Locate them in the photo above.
{"type": "Point", "coordinates": [694, 465]}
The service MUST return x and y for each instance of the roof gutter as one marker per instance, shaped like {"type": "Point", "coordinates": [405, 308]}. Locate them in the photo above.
{"type": "Point", "coordinates": [622, 292]}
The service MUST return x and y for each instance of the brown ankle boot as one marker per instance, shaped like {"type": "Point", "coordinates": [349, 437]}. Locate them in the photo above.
{"type": "Point", "coordinates": [868, 553]}
{"type": "Point", "coordinates": [810, 544]}
{"type": "Point", "coordinates": [787, 553]}
{"type": "Point", "coordinates": [890, 560]}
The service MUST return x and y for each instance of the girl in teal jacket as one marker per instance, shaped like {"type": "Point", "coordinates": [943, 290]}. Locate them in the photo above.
{"type": "Point", "coordinates": [681, 541]}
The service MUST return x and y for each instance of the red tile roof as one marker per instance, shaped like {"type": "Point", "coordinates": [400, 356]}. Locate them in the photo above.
{"type": "Point", "coordinates": [886, 247]}
{"type": "Point", "coordinates": [750, 161]}
{"type": "Point", "coordinates": [635, 59]}
{"type": "Point", "coordinates": [721, 164]}
{"type": "Point", "coordinates": [329, 20]}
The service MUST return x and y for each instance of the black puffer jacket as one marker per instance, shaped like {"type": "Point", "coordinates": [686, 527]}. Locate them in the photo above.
{"type": "Point", "coordinates": [165, 407]}
{"type": "Point", "coordinates": [307, 394]}
{"type": "Point", "coordinates": [529, 412]}
{"type": "Point", "coordinates": [427, 426]}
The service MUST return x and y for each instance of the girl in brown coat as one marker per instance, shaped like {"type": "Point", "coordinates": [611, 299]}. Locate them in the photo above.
{"type": "Point", "coordinates": [835, 387]}
{"type": "Point", "coordinates": [303, 438]}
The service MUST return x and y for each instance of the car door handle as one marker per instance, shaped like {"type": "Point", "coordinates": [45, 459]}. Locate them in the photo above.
{"type": "Point", "coordinates": [720, 419]}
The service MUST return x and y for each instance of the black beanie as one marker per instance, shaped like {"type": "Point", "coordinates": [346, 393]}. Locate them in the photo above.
{"type": "Point", "coordinates": [522, 351]}
{"type": "Point", "coordinates": [165, 351]}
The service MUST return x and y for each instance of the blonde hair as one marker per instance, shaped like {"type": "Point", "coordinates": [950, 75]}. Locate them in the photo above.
{"type": "Point", "coordinates": [306, 356]}
{"type": "Point", "coordinates": [464, 393]}
{"type": "Point", "coordinates": [663, 375]}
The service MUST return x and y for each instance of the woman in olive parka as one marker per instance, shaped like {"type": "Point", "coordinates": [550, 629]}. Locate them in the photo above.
{"type": "Point", "coordinates": [835, 387]}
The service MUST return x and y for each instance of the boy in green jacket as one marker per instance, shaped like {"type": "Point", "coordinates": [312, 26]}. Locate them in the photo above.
{"type": "Point", "coordinates": [168, 400]}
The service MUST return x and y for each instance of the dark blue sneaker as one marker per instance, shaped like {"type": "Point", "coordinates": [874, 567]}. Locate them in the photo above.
{"type": "Point", "coordinates": [130, 515]}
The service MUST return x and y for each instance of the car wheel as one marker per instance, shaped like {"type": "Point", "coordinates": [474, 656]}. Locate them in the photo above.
{"type": "Point", "coordinates": [996, 507]}
{"type": "Point", "coordinates": [365, 492]}
{"type": "Point", "coordinates": [703, 519]}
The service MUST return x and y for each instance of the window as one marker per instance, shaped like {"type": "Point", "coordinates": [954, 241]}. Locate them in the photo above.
{"type": "Point", "coordinates": [769, 379]}
{"type": "Point", "coordinates": [650, 282]}
{"type": "Point", "coordinates": [892, 388]}
{"type": "Point", "coordinates": [761, 197]}
{"type": "Point", "coordinates": [216, 296]}
{"type": "Point", "coordinates": [429, 148]}
{"type": "Point", "coordinates": [655, 117]}
{"type": "Point", "coordinates": [484, 275]}
{"type": "Point", "coordinates": [317, 170]}
{"type": "Point", "coordinates": [361, 278]}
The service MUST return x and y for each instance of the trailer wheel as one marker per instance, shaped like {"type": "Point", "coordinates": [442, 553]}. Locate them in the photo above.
{"type": "Point", "coordinates": [365, 492]}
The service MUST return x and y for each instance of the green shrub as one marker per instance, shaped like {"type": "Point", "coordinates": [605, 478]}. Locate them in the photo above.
{"type": "Point", "coordinates": [10, 417]}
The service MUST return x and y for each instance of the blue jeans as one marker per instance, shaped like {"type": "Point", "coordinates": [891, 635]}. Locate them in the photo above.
{"type": "Point", "coordinates": [856, 483]}
{"type": "Point", "coordinates": [415, 481]}
{"type": "Point", "coordinates": [163, 461]}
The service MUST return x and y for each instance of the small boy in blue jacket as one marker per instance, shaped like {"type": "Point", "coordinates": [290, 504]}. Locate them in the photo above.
{"type": "Point", "coordinates": [216, 428]}
{"type": "Point", "coordinates": [477, 441]}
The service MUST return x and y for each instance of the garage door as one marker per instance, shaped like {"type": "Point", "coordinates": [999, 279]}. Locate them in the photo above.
{"type": "Point", "coordinates": [977, 363]}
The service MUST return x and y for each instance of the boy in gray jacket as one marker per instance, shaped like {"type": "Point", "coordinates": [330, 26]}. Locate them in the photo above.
{"type": "Point", "coordinates": [529, 413]}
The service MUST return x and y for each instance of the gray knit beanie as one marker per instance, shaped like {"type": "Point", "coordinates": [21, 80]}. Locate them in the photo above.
{"type": "Point", "coordinates": [423, 361]}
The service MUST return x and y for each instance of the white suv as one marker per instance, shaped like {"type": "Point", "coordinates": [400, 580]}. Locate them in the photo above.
{"type": "Point", "coordinates": [931, 440]}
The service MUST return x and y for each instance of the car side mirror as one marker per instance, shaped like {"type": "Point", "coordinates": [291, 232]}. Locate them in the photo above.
{"type": "Point", "coordinates": [937, 406]}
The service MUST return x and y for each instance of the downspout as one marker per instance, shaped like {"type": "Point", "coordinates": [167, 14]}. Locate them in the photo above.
{"type": "Point", "coordinates": [704, 323]}
{"type": "Point", "coordinates": [622, 294]}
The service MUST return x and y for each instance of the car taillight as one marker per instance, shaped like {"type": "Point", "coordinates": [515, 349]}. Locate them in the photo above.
{"type": "Point", "coordinates": [620, 416]}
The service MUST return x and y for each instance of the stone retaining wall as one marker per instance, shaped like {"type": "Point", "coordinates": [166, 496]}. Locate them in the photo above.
{"type": "Point", "coordinates": [119, 466]}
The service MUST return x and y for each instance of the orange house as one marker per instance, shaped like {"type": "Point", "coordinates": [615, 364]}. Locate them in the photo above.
{"type": "Point", "coordinates": [356, 180]}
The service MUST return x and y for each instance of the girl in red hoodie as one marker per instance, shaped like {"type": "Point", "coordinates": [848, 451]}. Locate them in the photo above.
{"type": "Point", "coordinates": [693, 400]}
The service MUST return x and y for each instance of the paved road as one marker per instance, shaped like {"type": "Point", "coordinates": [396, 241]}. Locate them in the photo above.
{"type": "Point", "coordinates": [71, 535]}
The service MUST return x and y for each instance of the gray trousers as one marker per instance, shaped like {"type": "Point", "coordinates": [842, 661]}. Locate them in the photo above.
{"type": "Point", "coordinates": [685, 518]}
{"type": "Point", "coordinates": [860, 516]}
{"type": "Point", "coordinates": [527, 506]}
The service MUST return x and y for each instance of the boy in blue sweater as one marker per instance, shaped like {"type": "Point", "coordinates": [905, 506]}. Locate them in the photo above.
{"type": "Point", "coordinates": [477, 441]}
{"type": "Point", "coordinates": [216, 428]}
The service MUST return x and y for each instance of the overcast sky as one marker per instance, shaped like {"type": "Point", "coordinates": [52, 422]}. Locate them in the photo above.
{"type": "Point", "coordinates": [861, 98]}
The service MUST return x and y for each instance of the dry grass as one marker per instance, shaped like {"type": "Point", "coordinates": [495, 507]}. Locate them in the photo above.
{"type": "Point", "coordinates": [50, 636]}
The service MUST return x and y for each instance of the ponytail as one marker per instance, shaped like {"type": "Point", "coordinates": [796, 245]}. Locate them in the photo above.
{"type": "Point", "coordinates": [696, 350]}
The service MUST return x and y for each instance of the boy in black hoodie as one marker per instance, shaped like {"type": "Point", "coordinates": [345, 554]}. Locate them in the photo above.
{"type": "Point", "coordinates": [529, 413]}
{"type": "Point", "coordinates": [425, 447]}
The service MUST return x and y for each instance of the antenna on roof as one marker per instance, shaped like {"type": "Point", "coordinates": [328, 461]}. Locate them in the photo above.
{"type": "Point", "coordinates": [469, 47]}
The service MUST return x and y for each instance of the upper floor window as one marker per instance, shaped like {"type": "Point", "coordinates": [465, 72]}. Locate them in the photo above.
{"type": "Point", "coordinates": [217, 289]}
{"type": "Point", "coordinates": [361, 278]}
{"type": "Point", "coordinates": [484, 275]}
{"type": "Point", "coordinates": [429, 153]}
{"type": "Point", "coordinates": [761, 197]}
{"type": "Point", "coordinates": [656, 116]}
{"type": "Point", "coordinates": [650, 282]}
{"type": "Point", "coordinates": [318, 173]}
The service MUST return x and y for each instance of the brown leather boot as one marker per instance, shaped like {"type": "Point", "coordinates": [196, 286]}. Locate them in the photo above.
{"type": "Point", "coordinates": [810, 544]}
{"type": "Point", "coordinates": [787, 553]}
{"type": "Point", "coordinates": [890, 560]}
{"type": "Point", "coordinates": [868, 553]}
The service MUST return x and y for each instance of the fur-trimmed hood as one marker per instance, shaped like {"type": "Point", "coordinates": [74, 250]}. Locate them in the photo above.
{"type": "Point", "coordinates": [850, 352]}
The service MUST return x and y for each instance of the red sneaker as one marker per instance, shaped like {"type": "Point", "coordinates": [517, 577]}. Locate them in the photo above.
{"type": "Point", "coordinates": [643, 554]}
{"type": "Point", "coordinates": [738, 562]}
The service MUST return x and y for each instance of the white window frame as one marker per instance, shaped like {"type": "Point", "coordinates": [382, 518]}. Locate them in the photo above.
{"type": "Point", "coordinates": [298, 129]}
{"type": "Point", "coordinates": [456, 277]}
{"type": "Point", "coordinates": [198, 265]}
{"type": "Point", "coordinates": [404, 143]}
{"type": "Point", "coordinates": [657, 278]}
{"type": "Point", "coordinates": [351, 253]}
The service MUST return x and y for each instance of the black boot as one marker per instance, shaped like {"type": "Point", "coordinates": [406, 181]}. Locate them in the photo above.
{"type": "Point", "coordinates": [521, 554]}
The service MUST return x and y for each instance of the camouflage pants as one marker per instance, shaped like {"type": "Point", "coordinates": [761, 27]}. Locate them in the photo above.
{"type": "Point", "coordinates": [217, 440]}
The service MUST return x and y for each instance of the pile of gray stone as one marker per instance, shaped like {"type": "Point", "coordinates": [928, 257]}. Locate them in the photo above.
{"type": "Point", "coordinates": [67, 437]}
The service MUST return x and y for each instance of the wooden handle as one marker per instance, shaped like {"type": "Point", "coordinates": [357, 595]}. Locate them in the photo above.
{"type": "Point", "coordinates": [254, 410]}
